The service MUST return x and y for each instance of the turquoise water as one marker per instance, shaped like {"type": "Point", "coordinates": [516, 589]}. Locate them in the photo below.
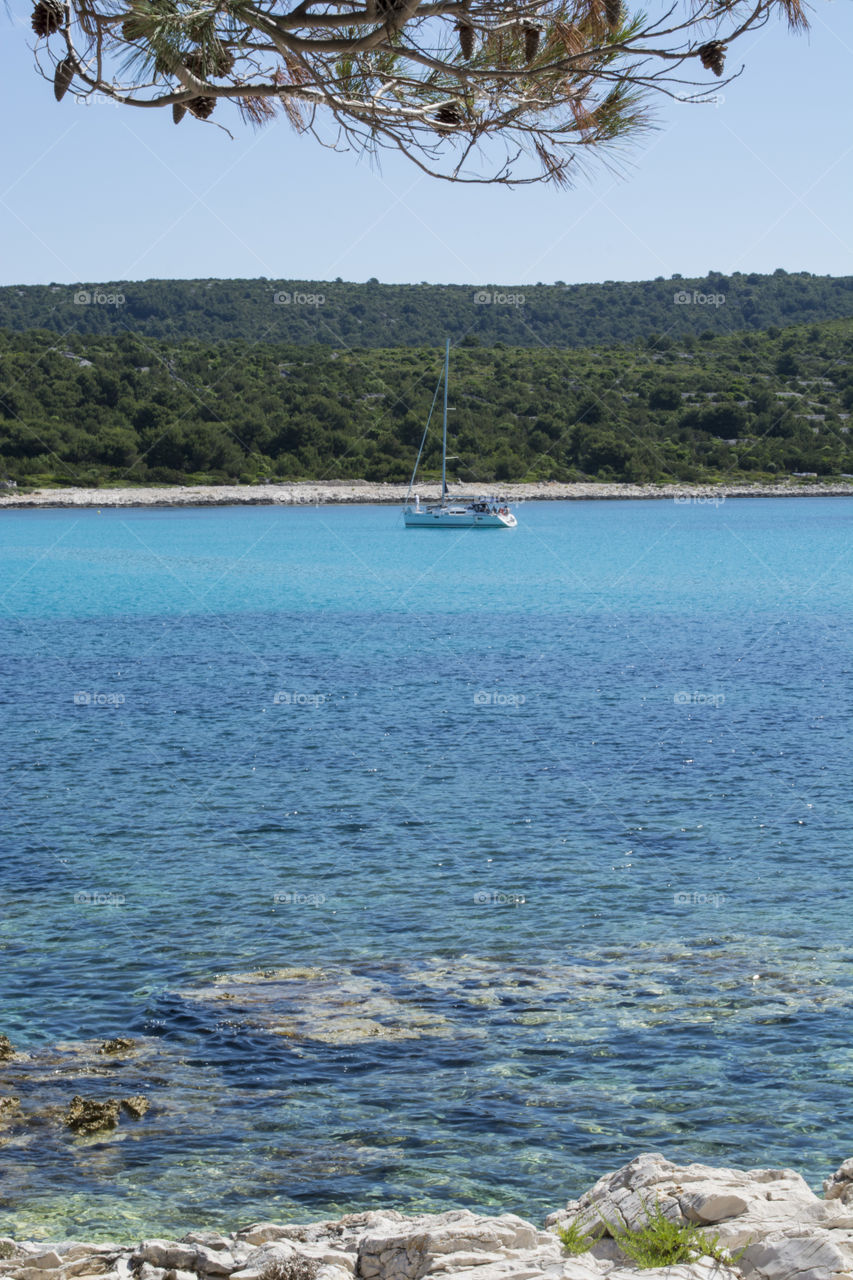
{"type": "Point", "coordinates": [423, 868]}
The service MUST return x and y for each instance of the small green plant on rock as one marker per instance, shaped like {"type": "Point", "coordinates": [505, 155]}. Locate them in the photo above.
{"type": "Point", "coordinates": [577, 1236]}
{"type": "Point", "coordinates": [660, 1242]}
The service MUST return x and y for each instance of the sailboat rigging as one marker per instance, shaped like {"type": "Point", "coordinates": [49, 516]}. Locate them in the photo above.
{"type": "Point", "coordinates": [480, 513]}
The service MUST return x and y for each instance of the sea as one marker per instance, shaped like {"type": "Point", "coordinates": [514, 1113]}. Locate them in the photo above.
{"type": "Point", "coordinates": [417, 868]}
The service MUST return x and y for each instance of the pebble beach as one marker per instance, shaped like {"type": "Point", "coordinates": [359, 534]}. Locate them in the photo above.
{"type": "Point", "coordinates": [321, 492]}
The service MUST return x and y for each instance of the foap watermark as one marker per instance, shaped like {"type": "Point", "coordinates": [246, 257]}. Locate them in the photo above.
{"type": "Point", "coordinates": [700, 499]}
{"type": "Point", "coordinates": [696, 698]}
{"type": "Point", "coordinates": [686, 298]}
{"type": "Point", "coordinates": [96, 99]}
{"type": "Point", "coordinates": [299, 899]}
{"type": "Point", "coordinates": [702, 99]}
{"type": "Point", "coordinates": [492, 698]}
{"type": "Point", "coordinates": [97, 298]}
{"type": "Point", "coordinates": [285, 299]}
{"type": "Point", "coordinates": [694, 899]}
{"type": "Point", "coordinates": [85, 898]}
{"type": "Point", "coordinates": [485, 297]}
{"type": "Point", "coordinates": [498, 898]}
{"type": "Point", "coordinates": [83, 698]}
{"type": "Point", "coordinates": [288, 698]}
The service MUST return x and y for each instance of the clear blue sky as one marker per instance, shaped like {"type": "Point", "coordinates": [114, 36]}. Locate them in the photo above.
{"type": "Point", "coordinates": [762, 180]}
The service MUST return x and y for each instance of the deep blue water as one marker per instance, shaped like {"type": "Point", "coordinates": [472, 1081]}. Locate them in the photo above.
{"type": "Point", "coordinates": [542, 839]}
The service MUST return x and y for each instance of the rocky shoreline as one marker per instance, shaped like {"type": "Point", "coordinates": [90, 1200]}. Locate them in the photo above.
{"type": "Point", "coordinates": [321, 493]}
{"type": "Point", "coordinates": [760, 1224]}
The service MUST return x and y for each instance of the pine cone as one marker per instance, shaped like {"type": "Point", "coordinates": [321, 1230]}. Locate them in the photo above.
{"type": "Point", "coordinates": [531, 41]}
{"type": "Point", "coordinates": [613, 13]}
{"type": "Point", "coordinates": [217, 61]}
{"type": "Point", "coordinates": [62, 77]}
{"type": "Point", "coordinates": [131, 29]}
{"type": "Point", "coordinates": [48, 16]}
{"type": "Point", "coordinates": [447, 118]}
{"type": "Point", "coordinates": [201, 108]}
{"type": "Point", "coordinates": [178, 112]}
{"type": "Point", "coordinates": [713, 56]}
{"type": "Point", "coordinates": [224, 61]}
{"type": "Point", "coordinates": [466, 38]}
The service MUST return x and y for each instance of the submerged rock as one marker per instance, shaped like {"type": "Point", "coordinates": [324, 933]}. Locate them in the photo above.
{"type": "Point", "coordinates": [88, 1115]}
{"type": "Point", "coordinates": [119, 1044]}
{"type": "Point", "coordinates": [7, 1049]}
{"type": "Point", "coordinates": [136, 1106]}
{"type": "Point", "coordinates": [334, 1006]}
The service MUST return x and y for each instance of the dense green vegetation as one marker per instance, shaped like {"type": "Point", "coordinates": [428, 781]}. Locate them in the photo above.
{"type": "Point", "coordinates": [132, 409]}
{"type": "Point", "coordinates": [380, 315]}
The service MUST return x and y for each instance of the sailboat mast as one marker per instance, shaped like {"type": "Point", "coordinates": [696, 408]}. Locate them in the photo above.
{"type": "Point", "coordinates": [444, 437]}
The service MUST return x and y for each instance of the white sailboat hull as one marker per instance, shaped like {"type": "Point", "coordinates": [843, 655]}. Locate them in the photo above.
{"type": "Point", "coordinates": [457, 518]}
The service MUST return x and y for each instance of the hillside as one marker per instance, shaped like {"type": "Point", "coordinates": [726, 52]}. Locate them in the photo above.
{"type": "Point", "coordinates": [88, 410]}
{"type": "Point", "coordinates": [342, 315]}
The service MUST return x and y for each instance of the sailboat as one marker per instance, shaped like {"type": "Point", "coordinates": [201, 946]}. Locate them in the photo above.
{"type": "Point", "coordinates": [479, 513]}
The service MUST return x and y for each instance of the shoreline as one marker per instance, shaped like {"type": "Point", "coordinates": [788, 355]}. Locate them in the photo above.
{"type": "Point", "coordinates": [362, 492]}
{"type": "Point", "coordinates": [764, 1224]}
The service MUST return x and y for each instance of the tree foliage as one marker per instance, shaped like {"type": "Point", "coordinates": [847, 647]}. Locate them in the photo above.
{"type": "Point", "coordinates": [507, 91]}
{"type": "Point", "coordinates": [131, 409]}
{"type": "Point", "coordinates": [344, 314]}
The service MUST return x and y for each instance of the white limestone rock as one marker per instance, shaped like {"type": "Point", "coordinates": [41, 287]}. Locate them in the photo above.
{"type": "Point", "coordinates": [272, 1253]}
{"type": "Point", "coordinates": [787, 1232]}
{"type": "Point", "coordinates": [71, 1250]}
{"type": "Point", "coordinates": [330, 1271]}
{"type": "Point", "coordinates": [212, 1260]}
{"type": "Point", "coordinates": [456, 1242]}
{"type": "Point", "coordinates": [840, 1185]}
{"type": "Point", "coordinates": [712, 1206]}
{"type": "Point", "coordinates": [148, 1271]}
{"type": "Point", "coordinates": [701, 1269]}
{"type": "Point", "coordinates": [210, 1239]}
{"type": "Point", "coordinates": [263, 1232]}
{"type": "Point", "coordinates": [94, 1275]}
{"type": "Point", "coordinates": [283, 1253]}
{"type": "Point", "coordinates": [797, 1255]}
{"type": "Point", "coordinates": [327, 1257]}
{"type": "Point", "coordinates": [86, 1265]}
{"type": "Point", "coordinates": [48, 1261]}
{"type": "Point", "coordinates": [341, 1234]}
{"type": "Point", "coordinates": [172, 1255]}
{"type": "Point", "coordinates": [584, 1266]}
{"type": "Point", "coordinates": [167, 1255]}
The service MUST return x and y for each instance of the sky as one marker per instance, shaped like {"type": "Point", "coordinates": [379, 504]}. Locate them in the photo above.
{"type": "Point", "coordinates": [762, 179]}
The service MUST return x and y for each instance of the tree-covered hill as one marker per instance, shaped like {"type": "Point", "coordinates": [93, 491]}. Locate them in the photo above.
{"type": "Point", "coordinates": [125, 409]}
{"type": "Point", "coordinates": [341, 315]}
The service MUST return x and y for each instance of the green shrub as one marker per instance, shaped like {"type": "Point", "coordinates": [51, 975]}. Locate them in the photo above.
{"type": "Point", "coordinates": [576, 1236]}
{"type": "Point", "coordinates": [660, 1242]}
